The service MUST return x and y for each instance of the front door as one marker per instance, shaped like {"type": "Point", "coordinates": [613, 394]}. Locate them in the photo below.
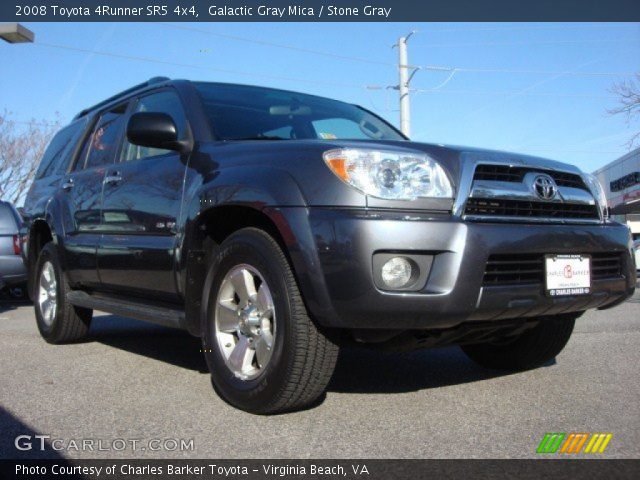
{"type": "Point", "coordinates": [141, 209]}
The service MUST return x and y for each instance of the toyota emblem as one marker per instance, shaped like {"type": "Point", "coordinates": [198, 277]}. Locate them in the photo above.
{"type": "Point", "coordinates": [545, 187]}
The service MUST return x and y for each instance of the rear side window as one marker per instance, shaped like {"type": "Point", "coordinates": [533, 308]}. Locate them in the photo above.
{"type": "Point", "coordinates": [100, 147]}
{"type": "Point", "coordinates": [57, 155]}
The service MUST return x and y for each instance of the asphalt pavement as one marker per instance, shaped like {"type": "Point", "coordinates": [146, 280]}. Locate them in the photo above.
{"type": "Point", "coordinates": [133, 382]}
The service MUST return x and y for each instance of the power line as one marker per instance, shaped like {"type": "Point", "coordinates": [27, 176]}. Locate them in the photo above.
{"type": "Point", "coordinates": [266, 43]}
{"type": "Point", "coordinates": [507, 93]}
{"type": "Point", "coordinates": [376, 62]}
{"type": "Point", "coordinates": [535, 27]}
{"type": "Point", "coordinates": [199, 67]}
{"type": "Point", "coordinates": [526, 72]}
{"type": "Point", "coordinates": [445, 69]}
{"type": "Point", "coordinates": [545, 72]}
{"type": "Point", "coordinates": [535, 42]}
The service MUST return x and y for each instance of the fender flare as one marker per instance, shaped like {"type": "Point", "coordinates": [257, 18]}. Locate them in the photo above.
{"type": "Point", "coordinates": [270, 192]}
{"type": "Point", "coordinates": [51, 219]}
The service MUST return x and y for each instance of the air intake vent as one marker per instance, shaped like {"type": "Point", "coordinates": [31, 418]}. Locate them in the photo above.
{"type": "Point", "coordinates": [521, 269]}
{"type": "Point", "coordinates": [514, 269]}
{"type": "Point", "coordinates": [526, 209]}
{"type": "Point", "coordinates": [606, 265]}
{"type": "Point", "coordinates": [507, 173]}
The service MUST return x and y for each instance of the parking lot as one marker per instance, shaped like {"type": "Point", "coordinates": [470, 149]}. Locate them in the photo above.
{"type": "Point", "coordinates": [133, 380]}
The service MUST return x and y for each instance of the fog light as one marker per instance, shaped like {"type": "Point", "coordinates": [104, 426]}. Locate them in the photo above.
{"type": "Point", "coordinates": [396, 272]}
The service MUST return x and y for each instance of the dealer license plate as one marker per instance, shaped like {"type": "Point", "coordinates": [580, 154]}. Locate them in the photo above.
{"type": "Point", "coordinates": [567, 275]}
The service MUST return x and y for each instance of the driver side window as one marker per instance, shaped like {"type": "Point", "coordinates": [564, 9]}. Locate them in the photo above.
{"type": "Point", "coordinates": [165, 102]}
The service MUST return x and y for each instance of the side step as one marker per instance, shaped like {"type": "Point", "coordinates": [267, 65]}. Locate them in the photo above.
{"type": "Point", "coordinates": [168, 317]}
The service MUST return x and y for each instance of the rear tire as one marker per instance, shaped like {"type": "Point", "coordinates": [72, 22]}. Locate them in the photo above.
{"type": "Point", "coordinates": [530, 349]}
{"type": "Point", "coordinates": [301, 359]}
{"type": "Point", "coordinates": [58, 321]}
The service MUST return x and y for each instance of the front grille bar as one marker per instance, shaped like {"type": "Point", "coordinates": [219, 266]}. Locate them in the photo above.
{"type": "Point", "coordinates": [522, 208]}
{"type": "Point", "coordinates": [494, 187]}
{"type": "Point", "coordinates": [508, 173]}
{"type": "Point", "coordinates": [522, 269]}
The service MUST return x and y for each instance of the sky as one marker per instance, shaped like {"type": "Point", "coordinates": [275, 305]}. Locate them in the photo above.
{"type": "Point", "coordinates": [542, 88]}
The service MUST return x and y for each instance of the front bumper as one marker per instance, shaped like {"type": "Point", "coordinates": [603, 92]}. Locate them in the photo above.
{"type": "Point", "coordinates": [338, 284]}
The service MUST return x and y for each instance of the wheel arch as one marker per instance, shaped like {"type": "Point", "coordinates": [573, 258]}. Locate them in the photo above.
{"type": "Point", "coordinates": [265, 197]}
{"type": "Point", "coordinates": [207, 232]}
{"type": "Point", "coordinates": [40, 233]}
{"type": "Point", "coordinates": [44, 227]}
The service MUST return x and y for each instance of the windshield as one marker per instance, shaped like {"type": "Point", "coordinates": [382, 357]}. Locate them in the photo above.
{"type": "Point", "coordinates": [241, 112]}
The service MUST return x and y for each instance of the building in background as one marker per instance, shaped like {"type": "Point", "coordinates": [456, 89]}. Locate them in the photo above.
{"type": "Point", "coordinates": [621, 182]}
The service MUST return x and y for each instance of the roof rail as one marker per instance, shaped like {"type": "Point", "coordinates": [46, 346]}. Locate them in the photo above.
{"type": "Point", "coordinates": [149, 82]}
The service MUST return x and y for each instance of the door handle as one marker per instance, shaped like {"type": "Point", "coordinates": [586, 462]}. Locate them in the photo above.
{"type": "Point", "coordinates": [68, 184]}
{"type": "Point", "coordinates": [113, 178]}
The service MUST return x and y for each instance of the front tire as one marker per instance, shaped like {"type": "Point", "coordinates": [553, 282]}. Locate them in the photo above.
{"type": "Point", "coordinates": [264, 352]}
{"type": "Point", "coordinates": [58, 321]}
{"type": "Point", "coordinates": [530, 349]}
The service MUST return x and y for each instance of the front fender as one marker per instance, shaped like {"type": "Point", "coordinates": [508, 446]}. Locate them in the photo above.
{"type": "Point", "coordinates": [251, 185]}
{"type": "Point", "coordinates": [263, 189]}
{"type": "Point", "coordinates": [256, 187]}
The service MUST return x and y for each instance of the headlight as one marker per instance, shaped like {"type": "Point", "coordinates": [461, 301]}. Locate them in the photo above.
{"type": "Point", "coordinates": [390, 175]}
{"type": "Point", "coordinates": [598, 193]}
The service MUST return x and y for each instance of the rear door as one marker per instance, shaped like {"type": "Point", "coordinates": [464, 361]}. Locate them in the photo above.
{"type": "Point", "coordinates": [54, 164]}
{"type": "Point", "coordinates": [140, 211]}
{"type": "Point", "coordinates": [81, 194]}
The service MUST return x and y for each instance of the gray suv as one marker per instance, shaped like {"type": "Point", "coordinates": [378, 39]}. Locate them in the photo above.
{"type": "Point", "coordinates": [278, 226]}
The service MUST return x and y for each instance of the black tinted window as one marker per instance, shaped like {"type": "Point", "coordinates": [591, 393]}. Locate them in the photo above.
{"type": "Point", "coordinates": [239, 112]}
{"type": "Point", "coordinates": [166, 101]}
{"type": "Point", "coordinates": [99, 149]}
{"type": "Point", "coordinates": [57, 154]}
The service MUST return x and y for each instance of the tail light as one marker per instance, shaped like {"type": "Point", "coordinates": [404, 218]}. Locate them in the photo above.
{"type": "Point", "coordinates": [17, 247]}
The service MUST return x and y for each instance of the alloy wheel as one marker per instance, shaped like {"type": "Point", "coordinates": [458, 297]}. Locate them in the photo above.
{"type": "Point", "coordinates": [245, 321]}
{"type": "Point", "coordinates": [48, 293]}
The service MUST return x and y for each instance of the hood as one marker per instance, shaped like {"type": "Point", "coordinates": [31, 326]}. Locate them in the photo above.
{"type": "Point", "coordinates": [302, 160]}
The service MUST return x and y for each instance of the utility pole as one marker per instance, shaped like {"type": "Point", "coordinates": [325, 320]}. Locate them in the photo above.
{"type": "Point", "coordinates": [406, 73]}
{"type": "Point", "coordinates": [403, 87]}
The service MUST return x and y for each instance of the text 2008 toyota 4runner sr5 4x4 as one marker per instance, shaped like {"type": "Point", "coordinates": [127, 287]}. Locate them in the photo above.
{"type": "Point", "coordinates": [278, 226]}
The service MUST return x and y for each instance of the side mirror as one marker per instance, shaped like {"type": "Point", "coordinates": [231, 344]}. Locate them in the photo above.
{"type": "Point", "coordinates": [155, 130]}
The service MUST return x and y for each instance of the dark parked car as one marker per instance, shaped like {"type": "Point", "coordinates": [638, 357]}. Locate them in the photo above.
{"type": "Point", "coordinates": [278, 226]}
{"type": "Point", "coordinates": [13, 273]}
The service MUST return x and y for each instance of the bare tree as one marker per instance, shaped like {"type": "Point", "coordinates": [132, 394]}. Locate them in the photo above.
{"type": "Point", "coordinates": [628, 92]}
{"type": "Point", "coordinates": [21, 148]}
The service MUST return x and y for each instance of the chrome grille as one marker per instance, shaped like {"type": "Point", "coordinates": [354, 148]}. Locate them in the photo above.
{"type": "Point", "coordinates": [508, 193]}
{"type": "Point", "coordinates": [508, 173]}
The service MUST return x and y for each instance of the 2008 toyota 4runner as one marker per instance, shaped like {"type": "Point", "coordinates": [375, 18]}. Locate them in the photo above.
{"type": "Point", "coordinates": [278, 226]}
